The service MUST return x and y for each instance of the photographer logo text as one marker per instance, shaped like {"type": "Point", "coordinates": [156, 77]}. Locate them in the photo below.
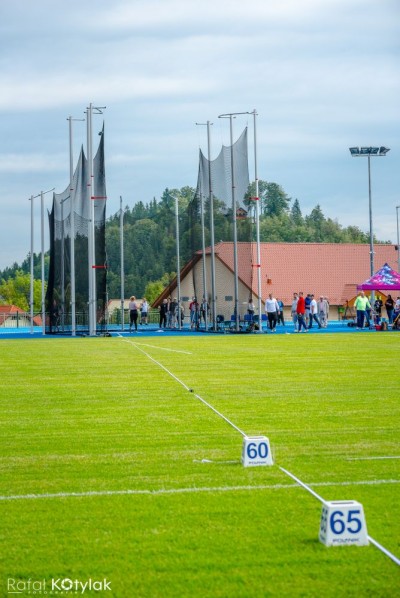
{"type": "Point", "coordinates": [56, 585]}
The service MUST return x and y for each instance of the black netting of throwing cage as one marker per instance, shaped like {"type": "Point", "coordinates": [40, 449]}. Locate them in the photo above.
{"type": "Point", "coordinates": [226, 287]}
{"type": "Point", "coordinates": [64, 225]}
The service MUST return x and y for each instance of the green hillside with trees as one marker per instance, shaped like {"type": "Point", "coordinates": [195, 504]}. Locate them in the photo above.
{"type": "Point", "coordinates": [149, 239]}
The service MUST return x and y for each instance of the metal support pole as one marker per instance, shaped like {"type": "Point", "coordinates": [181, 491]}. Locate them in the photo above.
{"type": "Point", "coordinates": [212, 240]}
{"type": "Point", "coordinates": [178, 260]}
{"type": "Point", "coordinates": [93, 227]}
{"type": "Point", "coordinates": [88, 195]}
{"type": "Point", "coordinates": [121, 229]}
{"type": "Point", "coordinates": [72, 236]}
{"type": "Point", "coordinates": [213, 293]}
{"type": "Point", "coordinates": [203, 246]}
{"type": "Point", "coordinates": [62, 265]}
{"type": "Point", "coordinates": [42, 194]}
{"type": "Point", "coordinates": [92, 224]}
{"type": "Point", "coordinates": [398, 239]}
{"type": "Point", "coordinates": [91, 255]}
{"type": "Point", "coordinates": [371, 230]}
{"type": "Point", "coordinates": [258, 265]}
{"type": "Point", "coordinates": [178, 263]}
{"type": "Point", "coordinates": [234, 220]}
{"type": "Point", "coordinates": [42, 262]}
{"type": "Point", "coordinates": [32, 270]}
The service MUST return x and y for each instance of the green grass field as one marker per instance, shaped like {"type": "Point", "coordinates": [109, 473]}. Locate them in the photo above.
{"type": "Point", "coordinates": [163, 506]}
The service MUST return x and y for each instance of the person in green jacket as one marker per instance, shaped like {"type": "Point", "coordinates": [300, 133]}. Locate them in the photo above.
{"type": "Point", "coordinates": [361, 304]}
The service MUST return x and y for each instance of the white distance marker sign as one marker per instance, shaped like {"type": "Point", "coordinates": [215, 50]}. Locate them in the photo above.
{"type": "Point", "coordinates": [256, 451]}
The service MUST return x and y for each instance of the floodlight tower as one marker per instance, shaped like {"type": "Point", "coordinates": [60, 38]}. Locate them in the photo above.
{"type": "Point", "coordinates": [367, 152]}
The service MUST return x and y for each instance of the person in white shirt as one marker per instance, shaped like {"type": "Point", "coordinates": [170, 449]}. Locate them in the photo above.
{"type": "Point", "coordinates": [144, 310]}
{"type": "Point", "coordinates": [272, 311]}
{"type": "Point", "coordinates": [313, 313]}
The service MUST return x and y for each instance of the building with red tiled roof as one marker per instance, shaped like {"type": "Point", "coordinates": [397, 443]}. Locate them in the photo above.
{"type": "Point", "coordinates": [330, 269]}
{"type": "Point", "coordinates": [12, 316]}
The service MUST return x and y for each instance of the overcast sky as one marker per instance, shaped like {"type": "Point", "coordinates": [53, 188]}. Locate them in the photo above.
{"type": "Point", "coordinates": [322, 74]}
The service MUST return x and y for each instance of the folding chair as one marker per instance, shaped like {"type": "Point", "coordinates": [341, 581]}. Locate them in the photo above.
{"type": "Point", "coordinates": [249, 321]}
{"type": "Point", "coordinates": [264, 319]}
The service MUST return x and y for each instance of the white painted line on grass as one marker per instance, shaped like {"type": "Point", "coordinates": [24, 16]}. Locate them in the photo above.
{"type": "Point", "coordinates": [237, 461]}
{"type": "Point", "coordinates": [164, 349]}
{"type": "Point", "coordinates": [372, 458]}
{"type": "Point", "coordinates": [359, 483]}
{"type": "Point", "coordinates": [156, 346]}
{"type": "Point", "coordinates": [157, 492]}
{"type": "Point", "coordinates": [228, 421]}
{"type": "Point", "coordinates": [191, 490]}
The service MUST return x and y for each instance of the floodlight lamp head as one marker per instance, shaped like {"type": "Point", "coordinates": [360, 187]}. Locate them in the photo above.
{"type": "Point", "coordinates": [369, 151]}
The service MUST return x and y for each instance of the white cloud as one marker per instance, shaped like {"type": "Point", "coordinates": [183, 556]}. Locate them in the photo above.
{"type": "Point", "coordinates": [21, 163]}
{"type": "Point", "coordinates": [67, 89]}
{"type": "Point", "coordinates": [179, 13]}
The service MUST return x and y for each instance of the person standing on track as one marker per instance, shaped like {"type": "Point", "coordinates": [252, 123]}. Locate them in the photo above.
{"type": "Point", "coordinates": [144, 311]}
{"type": "Point", "coordinates": [300, 311]}
{"type": "Point", "coordinates": [361, 304]}
{"type": "Point", "coordinates": [322, 306]}
{"type": "Point", "coordinates": [272, 310]}
{"type": "Point", "coordinates": [163, 313]}
{"type": "Point", "coordinates": [133, 313]}
{"type": "Point", "coordinates": [294, 312]}
{"type": "Point", "coordinates": [313, 313]}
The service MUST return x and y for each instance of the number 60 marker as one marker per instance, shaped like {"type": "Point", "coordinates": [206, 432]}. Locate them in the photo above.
{"type": "Point", "coordinates": [256, 451]}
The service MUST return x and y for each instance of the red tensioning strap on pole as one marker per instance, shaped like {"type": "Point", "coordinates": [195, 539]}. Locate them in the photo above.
{"type": "Point", "coordinates": [100, 267]}
{"type": "Point", "coordinates": [98, 197]}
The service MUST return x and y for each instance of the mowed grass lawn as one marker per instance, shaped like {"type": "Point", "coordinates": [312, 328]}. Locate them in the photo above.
{"type": "Point", "coordinates": [98, 418]}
